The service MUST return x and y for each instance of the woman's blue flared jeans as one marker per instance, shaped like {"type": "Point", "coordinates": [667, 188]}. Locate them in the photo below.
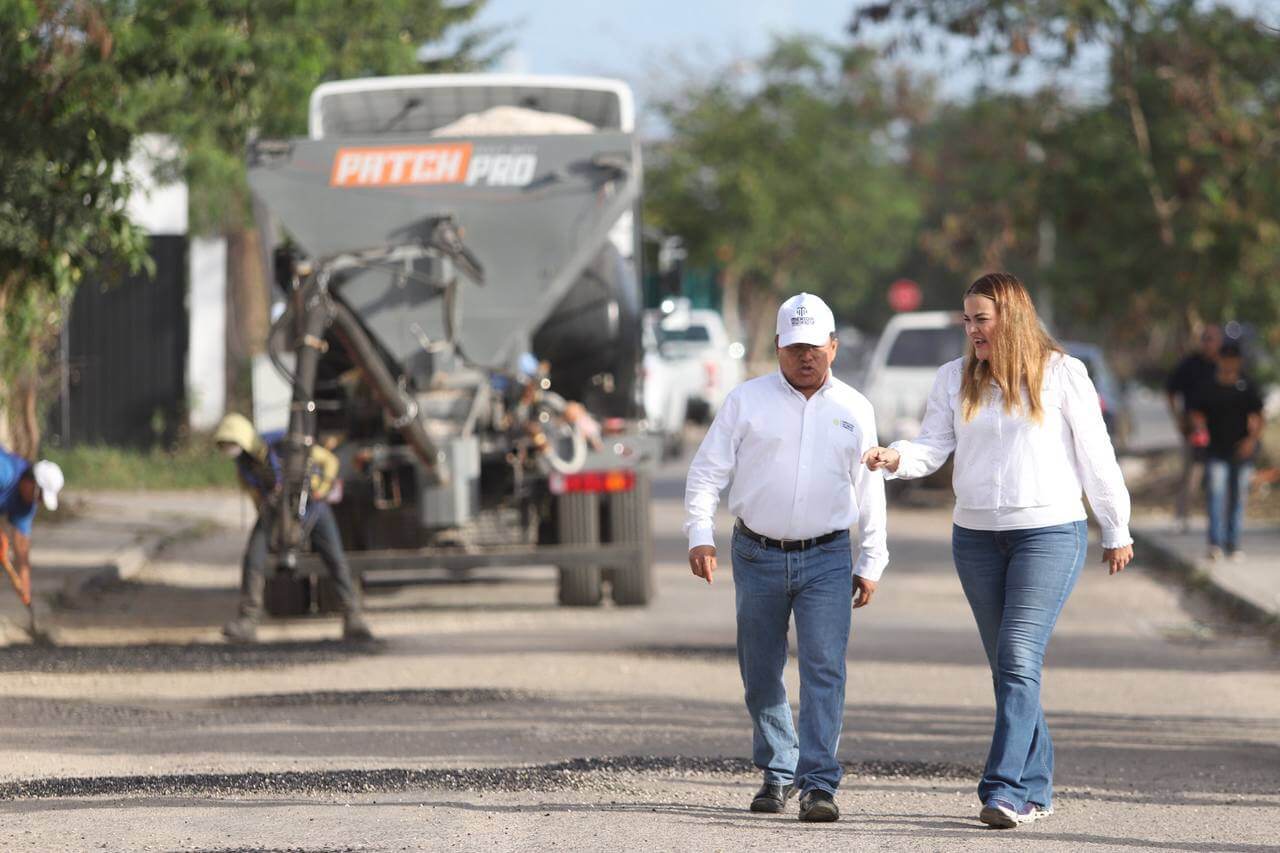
{"type": "Point", "coordinates": [1017, 582]}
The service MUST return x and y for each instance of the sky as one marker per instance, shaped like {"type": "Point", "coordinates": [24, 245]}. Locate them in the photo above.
{"type": "Point", "coordinates": [655, 44]}
{"type": "Point", "coordinates": [650, 43]}
{"type": "Point", "coordinates": [624, 37]}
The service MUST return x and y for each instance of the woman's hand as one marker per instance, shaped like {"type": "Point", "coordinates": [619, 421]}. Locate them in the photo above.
{"type": "Point", "coordinates": [882, 457]}
{"type": "Point", "coordinates": [1117, 558]}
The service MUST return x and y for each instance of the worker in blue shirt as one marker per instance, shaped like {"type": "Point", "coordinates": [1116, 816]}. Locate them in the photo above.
{"type": "Point", "coordinates": [258, 463]}
{"type": "Point", "coordinates": [22, 484]}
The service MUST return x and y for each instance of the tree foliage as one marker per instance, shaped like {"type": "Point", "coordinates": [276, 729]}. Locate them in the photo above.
{"type": "Point", "coordinates": [1161, 191]}
{"type": "Point", "coordinates": [82, 79]}
{"type": "Point", "coordinates": [63, 129]}
{"type": "Point", "coordinates": [787, 180]}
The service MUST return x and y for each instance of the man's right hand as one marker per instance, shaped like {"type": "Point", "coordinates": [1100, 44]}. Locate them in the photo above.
{"type": "Point", "coordinates": [882, 457]}
{"type": "Point", "coordinates": [702, 560]}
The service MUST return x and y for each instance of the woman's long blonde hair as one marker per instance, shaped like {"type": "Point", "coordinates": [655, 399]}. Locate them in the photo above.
{"type": "Point", "coordinates": [1019, 351]}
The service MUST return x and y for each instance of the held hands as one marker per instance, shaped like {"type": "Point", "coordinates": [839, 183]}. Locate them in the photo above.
{"type": "Point", "coordinates": [702, 560]}
{"type": "Point", "coordinates": [882, 457]}
{"type": "Point", "coordinates": [1117, 558]}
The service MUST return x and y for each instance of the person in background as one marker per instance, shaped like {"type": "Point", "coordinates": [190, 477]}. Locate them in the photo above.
{"type": "Point", "coordinates": [791, 443]}
{"type": "Point", "coordinates": [258, 464]}
{"type": "Point", "coordinates": [22, 486]}
{"type": "Point", "coordinates": [1229, 409]}
{"type": "Point", "coordinates": [1192, 372]}
{"type": "Point", "coordinates": [1024, 421]}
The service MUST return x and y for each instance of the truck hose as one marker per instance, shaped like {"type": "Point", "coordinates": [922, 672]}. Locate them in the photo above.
{"type": "Point", "coordinates": [403, 409]}
{"type": "Point", "coordinates": [574, 462]}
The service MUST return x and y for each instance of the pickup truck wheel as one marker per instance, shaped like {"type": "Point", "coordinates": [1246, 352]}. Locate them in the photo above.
{"type": "Point", "coordinates": [578, 523]}
{"type": "Point", "coordinates": [630, 521]}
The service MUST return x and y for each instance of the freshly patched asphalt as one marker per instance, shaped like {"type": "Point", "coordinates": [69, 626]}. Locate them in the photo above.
{"type": "Point", "coordinates": [489, 718]}
{"type": "Point", "coordinates": [175, 657]}
{"type": "Point", "coordinates": [598, 774]}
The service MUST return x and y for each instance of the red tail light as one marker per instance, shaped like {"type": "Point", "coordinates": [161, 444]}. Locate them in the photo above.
{"type": "Point", "coordinates": [713, 370]}
{"type": "Point", "coordinates": [592, 482]}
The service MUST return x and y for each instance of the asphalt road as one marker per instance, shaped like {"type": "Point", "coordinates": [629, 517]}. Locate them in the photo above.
{"type": "Point", "coordinates": [487, 718]}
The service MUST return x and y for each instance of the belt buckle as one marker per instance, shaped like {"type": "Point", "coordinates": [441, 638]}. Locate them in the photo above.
{"type": "Point", "coordinates": [788, 545]}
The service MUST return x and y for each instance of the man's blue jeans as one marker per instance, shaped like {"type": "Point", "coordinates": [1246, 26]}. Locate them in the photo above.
{"type": "Point", "coordinates": [817, 585]}
{"type": "Point", "coordinates": [1227, 485]}
{"type": "Point", "coordinates": [1017, 582]}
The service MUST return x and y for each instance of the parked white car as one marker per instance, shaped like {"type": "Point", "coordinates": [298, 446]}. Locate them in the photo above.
{"type": "Point", "coordinates": [902, 368]}
{"type": "Point", "coordinates": [665, 398]}
{"type": "Point", "coordinates": [709, 363]}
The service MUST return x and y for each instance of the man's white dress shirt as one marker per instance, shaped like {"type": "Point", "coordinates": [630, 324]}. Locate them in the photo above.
{"type": "Point", "coordinates": [796, 467]}
{"type": "Point", "coordinates": [1012, 473]}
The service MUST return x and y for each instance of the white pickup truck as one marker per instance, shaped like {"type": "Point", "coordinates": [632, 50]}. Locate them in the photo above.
{"type": "Point", "coordinates": [705, 360]}
{"type": "Point", "coordinates": [903, 365]}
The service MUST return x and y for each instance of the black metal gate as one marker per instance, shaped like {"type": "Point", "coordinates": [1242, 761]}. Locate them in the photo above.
{"type": "Point", "coordinates": [125, 355]}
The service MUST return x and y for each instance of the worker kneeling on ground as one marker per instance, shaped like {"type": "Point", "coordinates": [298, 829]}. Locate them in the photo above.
{"type": "Point", "coordinates": [258, 463]}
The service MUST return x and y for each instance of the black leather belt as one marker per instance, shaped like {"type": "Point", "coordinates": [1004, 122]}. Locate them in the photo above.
{"type": "Point", "coordinates": [787, 544]}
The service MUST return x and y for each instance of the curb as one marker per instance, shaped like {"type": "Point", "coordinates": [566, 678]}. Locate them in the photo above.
{"type": "Point", "coordinates": [128, 562]}
{"type": "Point", "coordinates": [1193, 576]}
{"type": "Point", "coordinates": [123, 564]}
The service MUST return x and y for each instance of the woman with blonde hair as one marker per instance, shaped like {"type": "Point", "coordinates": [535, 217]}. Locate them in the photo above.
{"type": "Point", "coordinates": [1024, 421]}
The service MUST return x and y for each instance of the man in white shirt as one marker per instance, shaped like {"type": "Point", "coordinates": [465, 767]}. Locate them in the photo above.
{"type": "Point", "coordinates": [792, 443]}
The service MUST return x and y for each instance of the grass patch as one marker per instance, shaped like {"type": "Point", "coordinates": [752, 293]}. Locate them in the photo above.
{"type": "Point", "coordinates": [194, 465]}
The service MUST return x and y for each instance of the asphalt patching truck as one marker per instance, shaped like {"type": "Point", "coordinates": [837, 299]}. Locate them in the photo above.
{"type": "Point", "coordinates": [461, 325]}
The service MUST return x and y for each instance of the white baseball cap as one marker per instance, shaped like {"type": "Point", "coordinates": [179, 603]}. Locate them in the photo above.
{"type": "Point", "coordinates": [50, 480]}
{"type": "Point", "coordinates": [805, 319]}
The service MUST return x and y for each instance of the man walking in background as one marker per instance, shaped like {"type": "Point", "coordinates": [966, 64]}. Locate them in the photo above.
{"type": "Point", "coordinates": [1191, 373]}
{"type": "Point", "coordinates": [791, 443]}
{"type": "Point", "coordinates": [1229, 409]}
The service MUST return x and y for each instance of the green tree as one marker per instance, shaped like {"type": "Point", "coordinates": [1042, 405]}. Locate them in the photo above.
{"type": "Point", "coordinates": [788, 180]}
{"type": "Point", "coordinates": [1161, 193]}
{"type": "Point", "coordinates": [63, 127]}
{"type": "Point", "coordinates": [83, 79]}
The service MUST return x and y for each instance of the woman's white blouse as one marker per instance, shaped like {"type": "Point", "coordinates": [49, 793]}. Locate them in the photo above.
{"type": "Point", "coordinates": [1012, 473]}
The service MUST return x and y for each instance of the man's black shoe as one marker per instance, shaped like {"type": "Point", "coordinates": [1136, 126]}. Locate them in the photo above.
{"type": "Point", "coordinates": [818, 806]}
{"type": "Point", "coordinates": [772, 798]}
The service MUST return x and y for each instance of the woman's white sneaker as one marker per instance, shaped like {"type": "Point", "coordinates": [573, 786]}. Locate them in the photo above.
{"type": "Point", "coordinates": [1001, 814]}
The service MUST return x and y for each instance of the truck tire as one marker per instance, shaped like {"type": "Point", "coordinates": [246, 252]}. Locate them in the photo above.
{"type": "Point", "coordinates": [629, 521]}
{"type": "Point", "coordinates": [578, 523]}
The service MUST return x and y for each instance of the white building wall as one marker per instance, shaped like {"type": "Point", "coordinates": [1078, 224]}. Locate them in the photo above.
{"type": "Point", "coordinates": [157, 208]}
{"type": "Point", "coordinates": [207, 331]}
